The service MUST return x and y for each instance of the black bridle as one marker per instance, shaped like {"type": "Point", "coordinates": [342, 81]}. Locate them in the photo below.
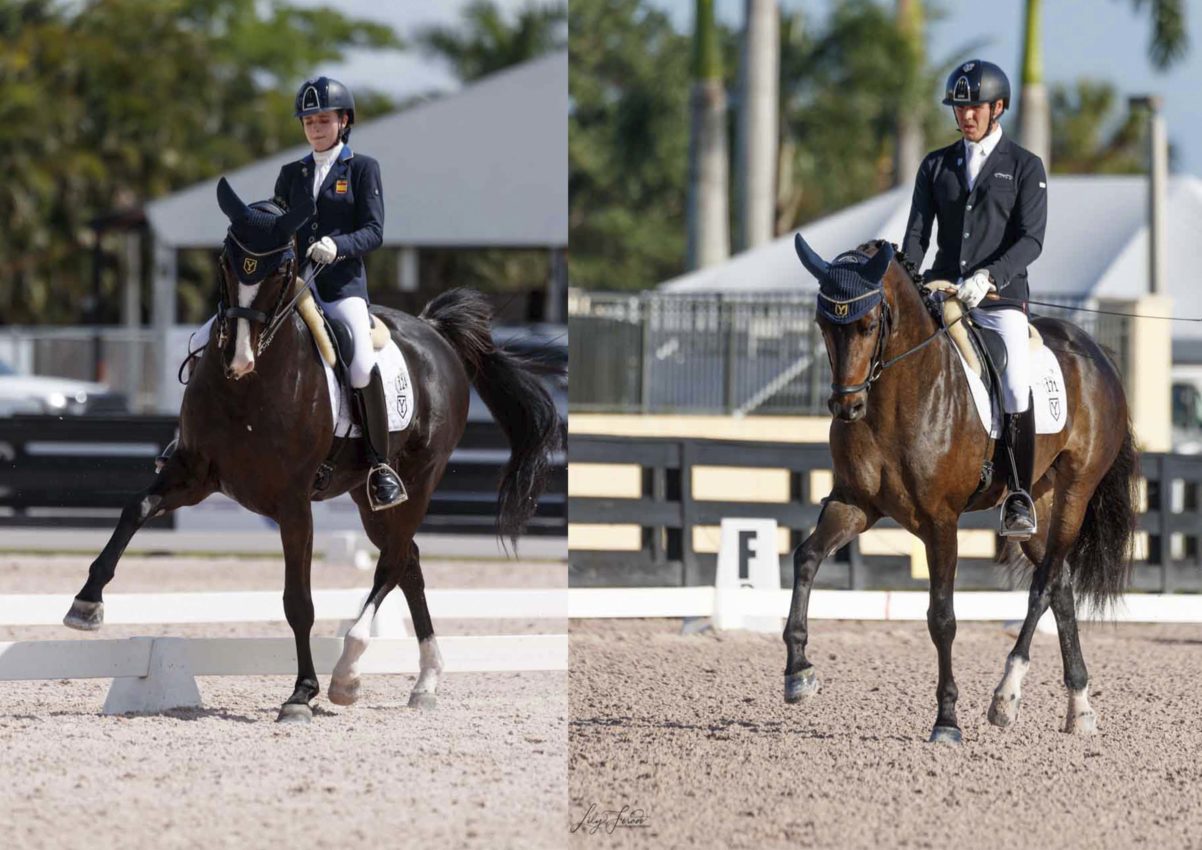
{"type": "Point", "coordinates": [279, 313]}
{"type": "Point", "coordinates": [879, 363]}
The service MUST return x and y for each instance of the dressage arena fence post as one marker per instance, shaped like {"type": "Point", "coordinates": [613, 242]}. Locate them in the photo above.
{"type": "Point", "coordinates": [667, 514]}
{"type": "Point", "coordinates": [153, 675]}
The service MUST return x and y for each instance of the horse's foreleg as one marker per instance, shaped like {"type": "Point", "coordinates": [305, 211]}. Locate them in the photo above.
{"type": "Point", "coordinates": [175, 487]}
{"type": "Point", "coordinates": [838, 524]}
{"type": "Point", "coordinates": [941, 623]}
{"type": "Point", "coordinates": [296, 531]}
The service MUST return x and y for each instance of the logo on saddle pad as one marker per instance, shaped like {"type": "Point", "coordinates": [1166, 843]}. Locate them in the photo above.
{"type": "Point", "coordinates": [402, 396]}
{"type": "Point", "coordinates": [249, 264]}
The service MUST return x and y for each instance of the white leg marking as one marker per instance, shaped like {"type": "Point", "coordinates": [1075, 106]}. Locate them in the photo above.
{"type": "Point", "coordinates": [1008, 695]}
{"type": "Point", "coordinates": [344, 681]}
{"type": "Point", "coordinates": [244, 358]}
{"type": "Point", "coordinates": [1081, 719]}
{"type": "Point", "coordinates": [431, 663]}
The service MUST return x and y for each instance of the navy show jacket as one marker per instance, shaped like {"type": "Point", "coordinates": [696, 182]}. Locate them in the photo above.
{"type": "Point", "coordinates": [998, 226]}
{"type": "Point", "coordinates": [350, 210]}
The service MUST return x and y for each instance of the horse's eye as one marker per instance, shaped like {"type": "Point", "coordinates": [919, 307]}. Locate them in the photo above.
{"type": "Point", "coordinates": [870, 327]}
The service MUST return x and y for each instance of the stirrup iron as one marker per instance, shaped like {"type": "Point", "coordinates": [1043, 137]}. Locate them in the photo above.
{"type": "Point", "coordinates": [401, 498]}
{"type": "Point", "coordinates": [1019, 534]}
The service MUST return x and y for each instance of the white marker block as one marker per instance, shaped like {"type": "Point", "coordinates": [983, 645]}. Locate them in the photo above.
{"type": "Point", "coordinates": [168, 684]}
{"type": "Point", "coordinates": [747, 558]}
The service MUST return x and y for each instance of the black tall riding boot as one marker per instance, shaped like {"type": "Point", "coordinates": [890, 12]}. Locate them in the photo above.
{"type": "Point", "coordinates": [1018, 513]}
{"type": "Point", "coordinates": [384, 487]}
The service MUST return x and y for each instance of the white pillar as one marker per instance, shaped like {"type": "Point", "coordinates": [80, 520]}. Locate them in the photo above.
{"type": "Point", "coordinates": [163, 320]}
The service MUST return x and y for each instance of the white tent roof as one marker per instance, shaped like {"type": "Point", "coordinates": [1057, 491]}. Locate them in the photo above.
{"type": "Point", "coordinates": [1096, 244]}
{"type": "Point", "coordinates": [486, 166]}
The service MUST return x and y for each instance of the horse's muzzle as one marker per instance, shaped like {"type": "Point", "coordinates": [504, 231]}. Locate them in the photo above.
{"type": "Point", "coordinates": [849, 408]}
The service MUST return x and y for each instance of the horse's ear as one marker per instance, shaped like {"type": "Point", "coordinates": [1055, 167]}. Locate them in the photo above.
{"type": "Point", "coordinates": [876, 267]}
{"type": "Point", "coordinates": [814, 264]}
{"type": "Point", "coordinates": [229, 202]}
{"type": "Point", "coordinates": [300, 207]}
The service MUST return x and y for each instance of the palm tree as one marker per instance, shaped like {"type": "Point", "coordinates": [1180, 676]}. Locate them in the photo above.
{"type": "Point", "coordinates": [485, 41]}
{"type": "Point", "coordinates": [1035, 117]}
{"type": "Point", "coordinates": [910, 139]}
{"type": "Point", "coordinates": [708, 212]}
{"type": "Point", "coordinates": [758, 139]}
{"type": "Point", "coordinates": [1169, 43]}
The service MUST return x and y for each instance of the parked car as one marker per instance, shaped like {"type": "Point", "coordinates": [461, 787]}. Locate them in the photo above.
{"type": "Point", "coordinates": [55, 396]}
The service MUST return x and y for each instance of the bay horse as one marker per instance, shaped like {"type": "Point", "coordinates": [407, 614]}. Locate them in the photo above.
{"type": "Point", "coordinates": [913, 450]}
{"type": "Point", "coordinates": [256, 425]}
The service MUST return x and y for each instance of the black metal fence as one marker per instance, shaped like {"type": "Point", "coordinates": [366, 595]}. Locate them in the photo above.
{"type": "Point", "coordinates": [80, 471]}
{"type": "Point", "coordinates": [666, 511]}
{"type": "Point", "coordinates": [761, 353]}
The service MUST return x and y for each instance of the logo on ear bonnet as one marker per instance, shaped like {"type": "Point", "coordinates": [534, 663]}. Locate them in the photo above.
{"type": "Point", "coordinates": [249, 264]}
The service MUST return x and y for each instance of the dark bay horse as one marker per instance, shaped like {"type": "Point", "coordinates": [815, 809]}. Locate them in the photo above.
{"type": "Point", "coordinates": [256, 425]}
{"type": "Point", "coordinates": [913, 448]}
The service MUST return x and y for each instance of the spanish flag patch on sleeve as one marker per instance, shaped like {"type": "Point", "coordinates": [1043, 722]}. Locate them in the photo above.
{"type": "Point", "coordinates": [340, 187]}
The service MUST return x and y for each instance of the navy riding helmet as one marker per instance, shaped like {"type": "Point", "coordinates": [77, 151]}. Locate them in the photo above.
{"type": "Point", "coordinates": [976, 82]}
{"type": "Point", "coordinates": [323, 94]}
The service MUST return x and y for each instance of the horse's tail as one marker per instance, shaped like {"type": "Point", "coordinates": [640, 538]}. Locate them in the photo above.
{"type": "Point", "coordinates": [1101, 558]}
{"type": "Point", "coordinates": [511, 389]}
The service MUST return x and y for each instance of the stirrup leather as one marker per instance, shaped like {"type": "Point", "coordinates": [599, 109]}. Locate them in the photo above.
{"type": "Point", "coordinates": [384, 469]}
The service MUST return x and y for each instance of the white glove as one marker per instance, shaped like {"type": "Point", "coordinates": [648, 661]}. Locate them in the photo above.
{"type": "Point", "coordinates": [323, 251]}
{"type": "Point", "coordinates": [972, 291]}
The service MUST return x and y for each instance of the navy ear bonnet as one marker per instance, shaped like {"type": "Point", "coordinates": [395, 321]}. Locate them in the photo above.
{"type": "Point", "coordinates": [259, 240]}
{"type": "Point", "coordinates": [851, 285]}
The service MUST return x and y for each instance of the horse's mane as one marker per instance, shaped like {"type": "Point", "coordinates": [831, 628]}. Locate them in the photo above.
{"type": "Point", "coordinates": [911, 269]}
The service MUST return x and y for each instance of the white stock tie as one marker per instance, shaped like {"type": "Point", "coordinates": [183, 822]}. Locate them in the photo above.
{"type": "Point", "coordinates": [976, 159]}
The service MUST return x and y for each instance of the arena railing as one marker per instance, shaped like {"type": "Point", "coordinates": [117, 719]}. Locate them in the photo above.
{"type": "Point", "coordinates": [756, 353]}
{"type": "Point", "coordinates": [666, 511]}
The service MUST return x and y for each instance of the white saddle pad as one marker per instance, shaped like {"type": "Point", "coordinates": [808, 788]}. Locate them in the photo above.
{"type": "Point", "coordinates": [397, 388]}
{"type": "Point", "coordinates": [1047, 385]}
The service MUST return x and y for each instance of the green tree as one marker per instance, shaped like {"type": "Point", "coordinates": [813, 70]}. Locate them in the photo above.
{"type": "Point", "coordinates": [485, 41]}
{"type": "Point", "coordinates": [1089, 136]}
{"type": "Point", "coordinates": [89, 126]}
{"type": "Point", "coordinates": [628, 144]}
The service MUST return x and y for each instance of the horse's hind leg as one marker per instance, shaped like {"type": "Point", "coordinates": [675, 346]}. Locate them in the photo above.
{"type": "Point", "coordinates": [413, 585]}
{"type": "Point", "coordinates": [1080, 718]}
{"type": "Point", "coordinates": [838, 524]}
{"type": "Point", "coordinates": [399, 564]}
{"type": "Point", "coordinates": [176, 486]}
{"type": "Point", "coordinates": [1064, 522]}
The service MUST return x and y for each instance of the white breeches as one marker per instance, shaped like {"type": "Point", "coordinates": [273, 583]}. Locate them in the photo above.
{"type": "Point", "coordinates": [1015, 332]}
{"type": "Point", "coordinates": [353, 311]}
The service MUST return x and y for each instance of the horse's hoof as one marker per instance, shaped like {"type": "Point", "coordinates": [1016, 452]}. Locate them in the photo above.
{"type": "Point", "coordinates": [85, 616]}
{"type": "Point", "coordinates": [1003, 711]}
{"type": "Point", "coordinates": [423, 700]}
{"type": "Point", "coordinates": [295, 712]}
{"type": "Point", "coordinates": [1085, 723]}
{"type": "Point", "coordinates": [799, 686]}
{"type": "Point", "coordinates": [343, 693]}
{"type": "Point", "coordinates": [945, 735]}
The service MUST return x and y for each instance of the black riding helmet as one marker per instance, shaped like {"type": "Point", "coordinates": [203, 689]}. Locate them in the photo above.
{"type": "Point", "coordinates": [977, 82]}
{"type": "Point", "coordinates": [323, 94]}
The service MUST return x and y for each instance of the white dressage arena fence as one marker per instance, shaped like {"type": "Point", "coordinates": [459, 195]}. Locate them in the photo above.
{"type": "Point", "coordinates": [693, 602]}
{"type": "Point", "coordinates": [152, 675]}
